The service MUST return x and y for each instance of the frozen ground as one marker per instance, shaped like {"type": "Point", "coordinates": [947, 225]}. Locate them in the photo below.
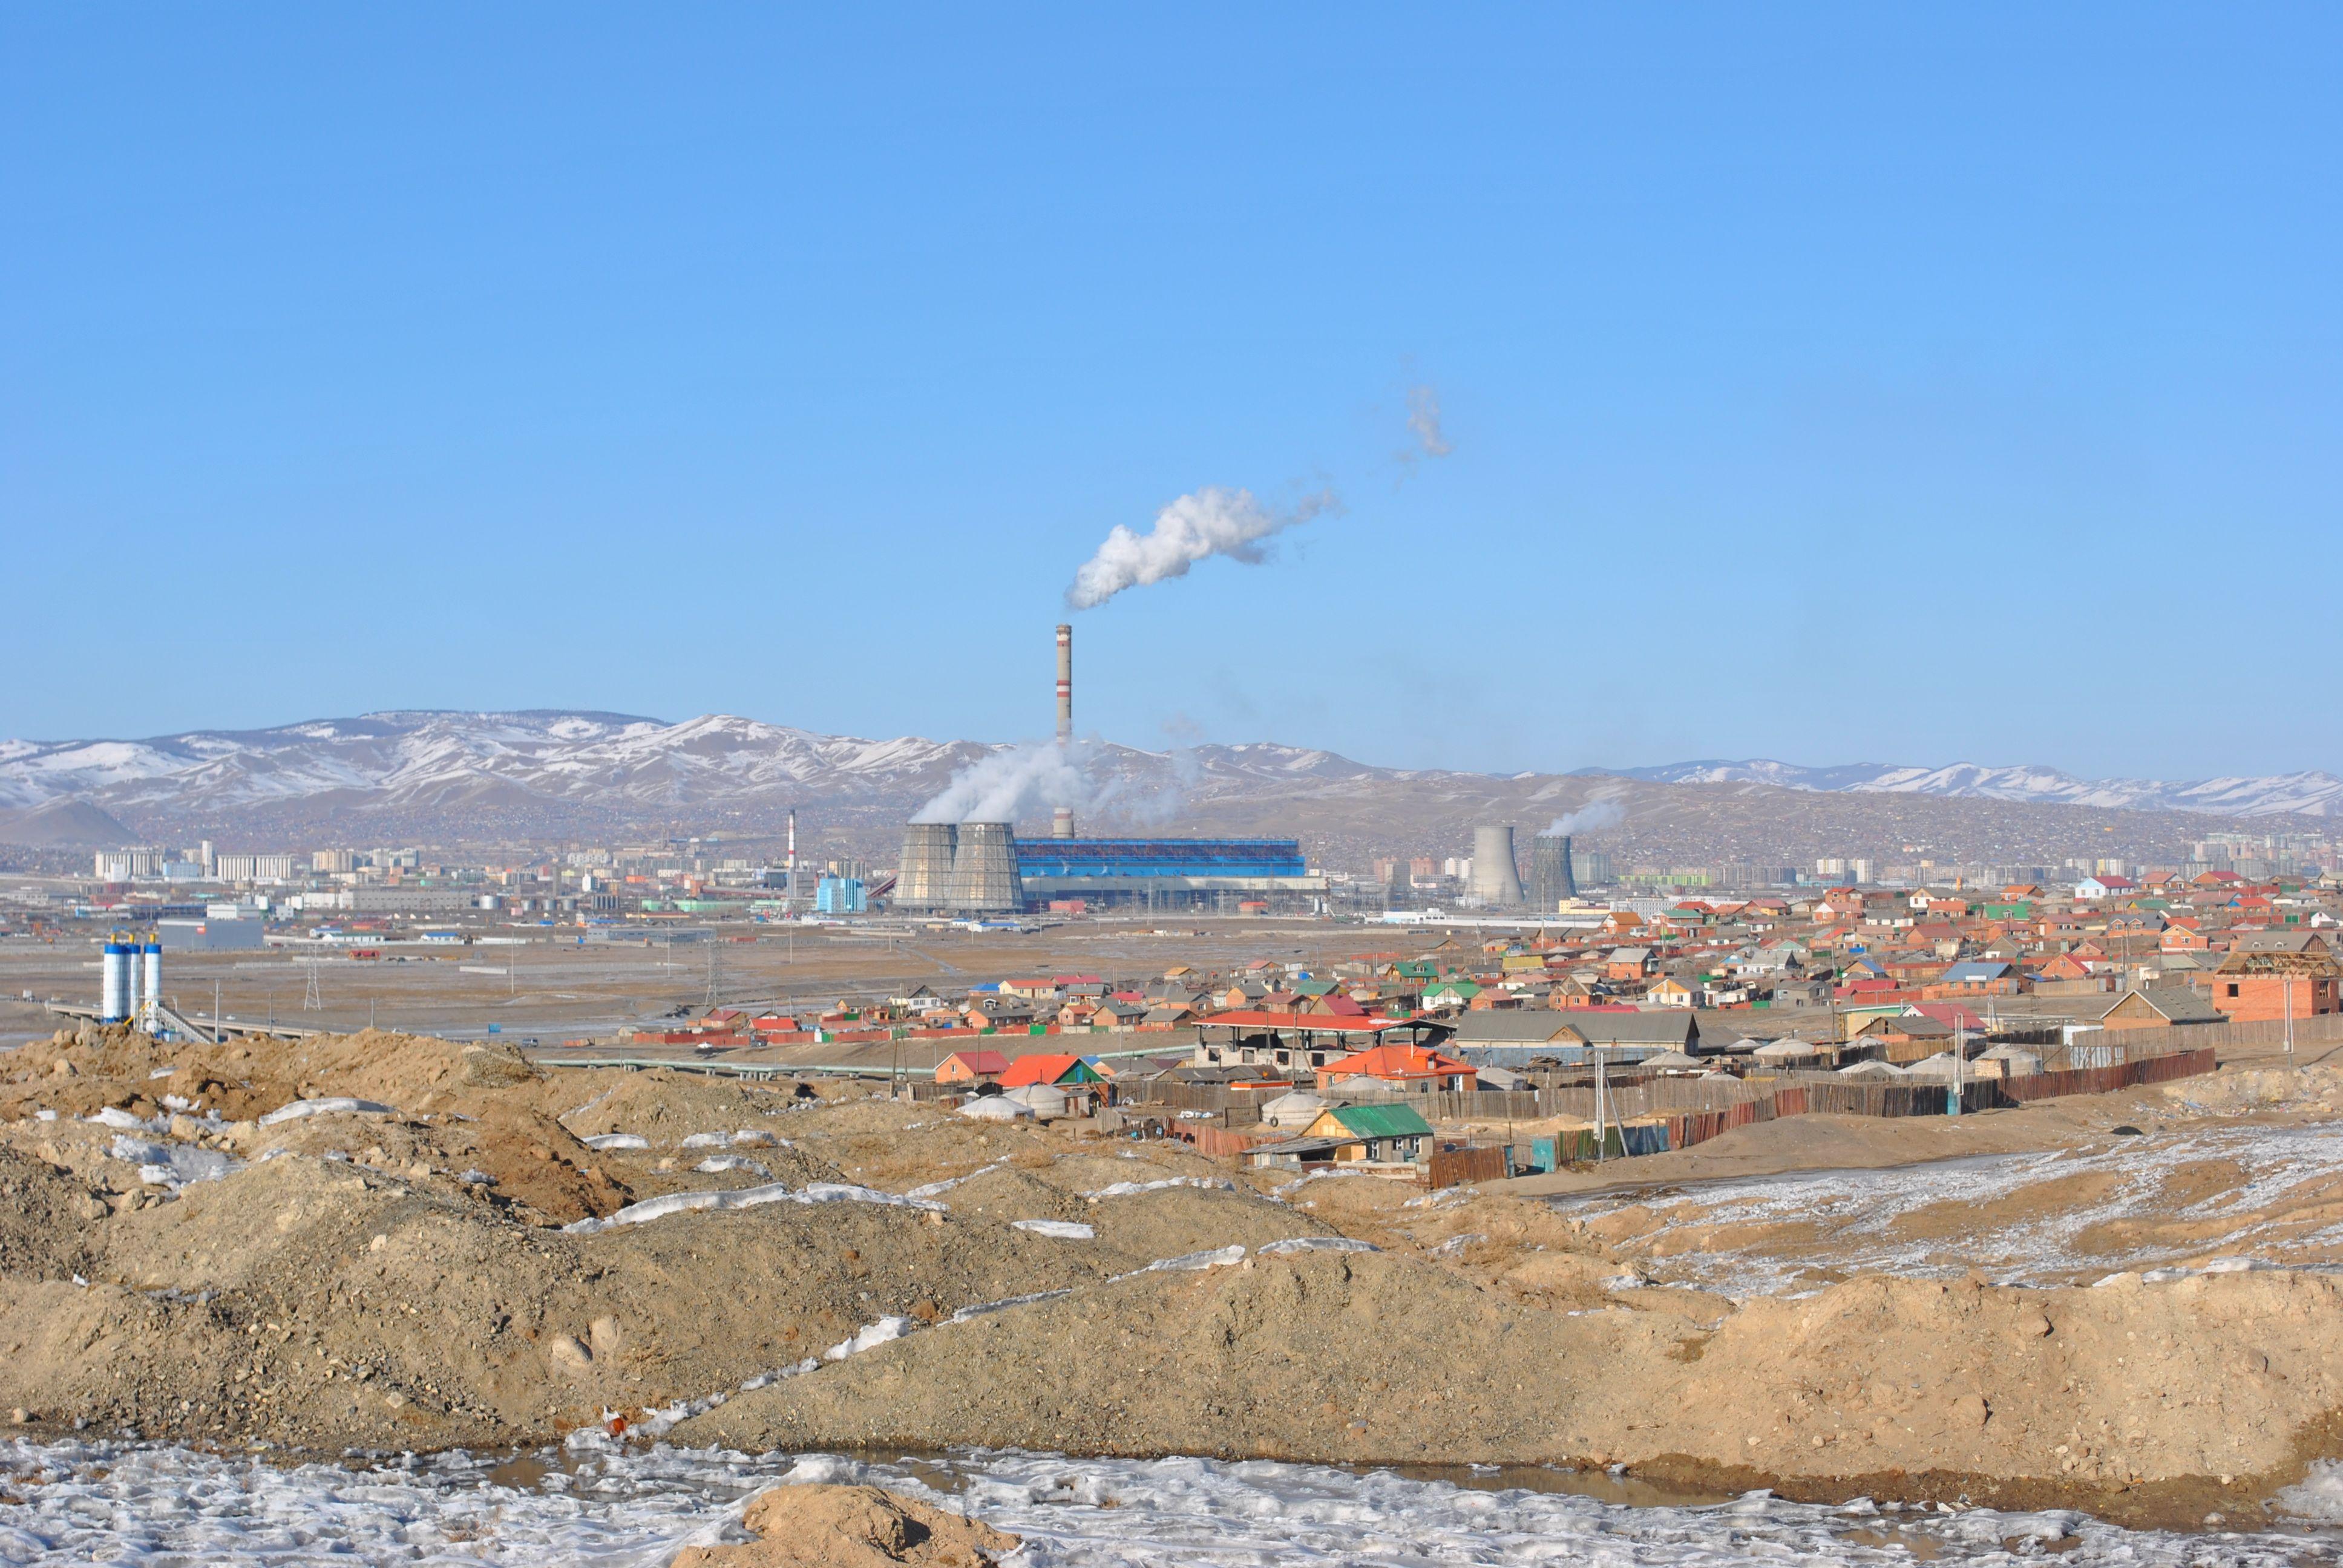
{"type": "Point", "coordinates": [75, 1503]}
{"type": "Point", "coordinates": [2262, 1192]}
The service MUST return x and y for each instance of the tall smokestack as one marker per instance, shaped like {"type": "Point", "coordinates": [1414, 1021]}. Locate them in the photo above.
{"type": "Point", "coordinates": [789, 880]}
{"type": "Point", "coordinates": [1062, 823]}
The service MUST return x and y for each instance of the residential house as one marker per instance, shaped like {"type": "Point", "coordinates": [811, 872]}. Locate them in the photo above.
{"type": "Point", "coordinates": [969, 1067]}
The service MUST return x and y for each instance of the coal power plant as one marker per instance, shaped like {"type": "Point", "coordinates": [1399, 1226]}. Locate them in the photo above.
{"type": "Point", "coordinates": [982, 868]}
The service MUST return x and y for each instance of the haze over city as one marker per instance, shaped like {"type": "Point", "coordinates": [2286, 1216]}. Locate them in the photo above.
{"type": "Point", "coordinates": [1104, 788]}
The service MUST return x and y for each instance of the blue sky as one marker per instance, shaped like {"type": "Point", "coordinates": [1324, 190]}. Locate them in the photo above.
{"type": "Point", "coordinates": [1828, 383]}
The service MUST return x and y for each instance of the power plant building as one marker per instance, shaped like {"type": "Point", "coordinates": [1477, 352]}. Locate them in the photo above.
{"type": "Point", "coordinates": [1159, 873]}
{"type": "Point", "coordinates": [982, 868]}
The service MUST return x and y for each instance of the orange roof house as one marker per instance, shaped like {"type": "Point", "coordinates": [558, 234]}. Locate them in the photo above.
{"type": "Point", "coordinates": [1414, 1067]}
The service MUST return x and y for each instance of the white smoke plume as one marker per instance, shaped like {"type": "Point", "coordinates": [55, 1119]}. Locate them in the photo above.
{"type": "Point", "coordinates": [1211, 522]}
{"type": "Point", "coordinates": [1010, 785]}
{"type": "Point", "coordinates": [1424, 423]}
{"type": "Point", "coordinates": [1591, 817]}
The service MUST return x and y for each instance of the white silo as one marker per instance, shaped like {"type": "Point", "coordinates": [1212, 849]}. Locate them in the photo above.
{"type": "Point", "coordinates": [150, 958]}
{"type": "Point", "coordinates": [114, 984]}
{"type": "Point", "coordinates": [1497, 878]}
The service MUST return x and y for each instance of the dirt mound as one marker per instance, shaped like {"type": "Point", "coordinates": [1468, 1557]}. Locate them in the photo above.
{"type": "Point", "coordinates": [665, 1107]}
{"type": "Point", "coordinates": [1368, 1358]}
{"type": "Point", "coordinates": [319, 1302]}
{"type": "Point", "coordinates": [43, 1210]}
{"type": "Point", "coordinates": [852, 1527]}
{"type": "Point", "coordinates": [79, 1072]}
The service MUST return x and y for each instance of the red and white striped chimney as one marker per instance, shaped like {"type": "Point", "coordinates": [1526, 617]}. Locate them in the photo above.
{"type": "Point", "coordinates": [1062, 824]}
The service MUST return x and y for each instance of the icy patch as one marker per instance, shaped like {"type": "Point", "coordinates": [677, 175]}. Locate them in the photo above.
{"type": "Point", "coordinates": [329, 1105]}
{"type": "Point", "coordinates": [602, 1140]}
{"type": "Point", "coordinates": [1126, 1189]}
{"type": "Point", "coordinates": [2318, 1495]}
{"type": "Point", "coordinates": [745, 1197]}
{"type": "Point", "coordinates": [122, 1121]}
{"type": "Point", "coordinates": [716, 1165]}
{"type": "Point", "coordinates": [1217, 1258]}
{"type": "Point", "coordinates": [170, 1165]}
{"type": "Point", "coordinates": [984, 1308]}
{"type": "Point", "coordinates": [1315, 1244]}
{"type": "Point", "coordinates": [604, 1505]}
{"type": "Point", "coordinates": [870, 1336]}
{"type": "Point", "coordinates": [752, 1137]}
{"type": "Point", "coordinates": [1457, 1243]}
{"type": "Point", "coordinates": [1857, 1221]}
{"type": "Point", "coordinates": [938, 1189]}
{"type": "Point", "coordinates": [1063, 1229]}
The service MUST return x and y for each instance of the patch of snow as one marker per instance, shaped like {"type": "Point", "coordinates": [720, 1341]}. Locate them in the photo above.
{"type": "Point", "coordinates": [336, 1104]}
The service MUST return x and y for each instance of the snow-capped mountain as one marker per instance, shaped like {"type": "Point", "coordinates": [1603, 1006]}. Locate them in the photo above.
{"type": "Point", "coordinates": [540, 770]}
{"type": "Point", "coordinates": [2312, 794]}
{"type": "Point", "coordinates": [440, 777]}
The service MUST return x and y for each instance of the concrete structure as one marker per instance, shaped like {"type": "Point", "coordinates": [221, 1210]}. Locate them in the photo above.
{"type": "Point", "coordinates": [984, 877]}
{"type": "Point", "coordinates": [923, 875]}
{"type": "Point", "coordinates": [1497, 878]}
{"type": "Point", "coordinates": [1061, 822]}
{"type": "Point", "coordinates": [1550, 878]}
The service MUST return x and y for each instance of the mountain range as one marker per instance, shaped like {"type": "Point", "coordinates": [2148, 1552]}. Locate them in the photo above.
{"type": "Point", "coordinates": [435, 776]}
{"type": "Point", "coordinates": [2308, 794]}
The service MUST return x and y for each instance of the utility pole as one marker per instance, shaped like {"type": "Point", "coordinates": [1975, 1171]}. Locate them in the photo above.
{"type": "Point", "coordinates": [2289, 1018]}
{"type": "Point", "coordinates": [1960, 1057]}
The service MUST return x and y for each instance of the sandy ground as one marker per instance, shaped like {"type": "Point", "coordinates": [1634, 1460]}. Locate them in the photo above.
{"type": "Point", "coordinates": [445, 1245]}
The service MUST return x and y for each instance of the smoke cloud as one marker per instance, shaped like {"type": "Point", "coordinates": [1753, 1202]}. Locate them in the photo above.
{"type": "Point", "coordinates": [1424, 423]}
{"type": "Point", "coordinates": [1010, 785]}
{"type": "Point", "coordinates": [1028, 781]}
{"type": "Point", "coordinates": [1591, 817]}
{"type": "Point", "coordinates": [1211, 522]}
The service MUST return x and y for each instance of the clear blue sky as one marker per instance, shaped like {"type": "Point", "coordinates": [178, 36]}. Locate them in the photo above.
{"type": "Point", "coordinates": [1828, 382]}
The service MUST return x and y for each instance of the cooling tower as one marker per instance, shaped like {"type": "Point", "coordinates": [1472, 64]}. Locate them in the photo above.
{"type": "Point", "coordinates": [1496, 879]}
{"type": "Point", "coordinates": [1550, 878]}
{"type": "Point", "coordinates": [984, 869]}
{"type": "Point", "coordinates": [923, 880]}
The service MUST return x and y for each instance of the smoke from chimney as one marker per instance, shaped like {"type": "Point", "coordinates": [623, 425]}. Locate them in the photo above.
{"type": "Point", "coordinates": [1195, 528]}
{"type": "Point", "coordinates": [1591, 817]}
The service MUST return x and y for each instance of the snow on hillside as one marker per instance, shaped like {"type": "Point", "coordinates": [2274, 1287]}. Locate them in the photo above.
{"type": "Point", "coordinates": [2313, 794]}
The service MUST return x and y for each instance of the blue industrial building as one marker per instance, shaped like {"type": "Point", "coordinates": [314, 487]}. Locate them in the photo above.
{"type": "Point", "coordinates": [1166, 873]}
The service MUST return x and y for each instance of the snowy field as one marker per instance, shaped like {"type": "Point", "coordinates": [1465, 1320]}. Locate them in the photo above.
{"type": "Point", "coordinates": [595, 1504]}
{"type": "Point", "coordinates": [2021, 1218]}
